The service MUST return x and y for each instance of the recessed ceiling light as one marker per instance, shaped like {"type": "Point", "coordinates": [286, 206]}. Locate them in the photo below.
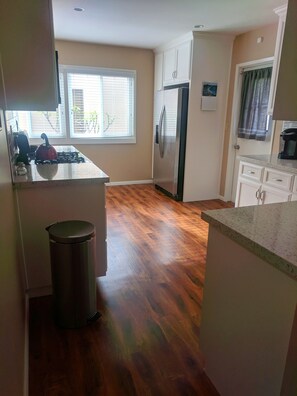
{"type": "Point", "coordinates": [198, 26]}
{"type": "Point", "coordinates": [78, 9]}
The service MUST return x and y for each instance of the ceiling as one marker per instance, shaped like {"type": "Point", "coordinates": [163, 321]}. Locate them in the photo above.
{"type": "Point", "coordinates": [150, 23]}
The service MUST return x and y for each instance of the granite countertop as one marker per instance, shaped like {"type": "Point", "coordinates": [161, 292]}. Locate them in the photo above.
{"type": "Point", "coordinates": [53, 174]}
{"type": "Point", "coordinates": [272, 161]}
{"type": "Point", "coordinates": [269, 231]}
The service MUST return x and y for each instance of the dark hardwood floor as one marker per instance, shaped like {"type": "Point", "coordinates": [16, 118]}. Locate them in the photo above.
{"type": "Point", "coordinates": [147, 340]}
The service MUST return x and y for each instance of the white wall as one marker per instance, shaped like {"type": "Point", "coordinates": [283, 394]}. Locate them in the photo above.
{"type": "Point", "coordinates": [211, 63]}
{"type": "Point", "coordinates": [12, 305]}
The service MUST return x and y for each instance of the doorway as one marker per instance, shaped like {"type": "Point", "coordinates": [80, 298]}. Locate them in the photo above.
{"type": "Point", "coordinates": [245, 141]}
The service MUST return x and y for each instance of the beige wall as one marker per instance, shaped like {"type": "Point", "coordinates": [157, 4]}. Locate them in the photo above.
{"type": "Point", "coordinates": [245, 49]}
{"type": "Point", "coordinates": [122, 162]}
{"type": "Point", "coordinates": [12, 315]}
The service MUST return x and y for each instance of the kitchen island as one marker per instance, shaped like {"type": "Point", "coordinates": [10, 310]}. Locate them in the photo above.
{"type": "Point", "coordinates": [50, 193]}
{"type": "Point", "coordinates": [249, 318]}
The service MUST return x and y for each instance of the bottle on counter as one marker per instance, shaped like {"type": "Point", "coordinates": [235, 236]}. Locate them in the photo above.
{"type": "Point", "coordinates": [21, 169]}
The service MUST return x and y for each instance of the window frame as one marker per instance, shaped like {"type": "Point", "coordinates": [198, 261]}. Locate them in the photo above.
{"type": "Point", "coordinates": [67, 139]}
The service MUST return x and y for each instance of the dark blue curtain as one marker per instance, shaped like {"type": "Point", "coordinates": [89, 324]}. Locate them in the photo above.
{"type": "Point", "coordinates": [254, 104]}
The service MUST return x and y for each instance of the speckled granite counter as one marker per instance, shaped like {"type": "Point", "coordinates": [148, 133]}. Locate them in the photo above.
{"type": "Point", "coordinates": [249, 315]}
{"type": "Point", "coordinates": [271, 161]}
{"type": "Point", "coordinates": [53, 174]}
{"type": "Point", "coordinates": [57, 174]}
{"type": "Point", "coordinates": [268, 231]}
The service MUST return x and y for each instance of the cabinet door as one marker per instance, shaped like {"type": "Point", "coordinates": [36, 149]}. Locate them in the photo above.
{"type": "Point", "coordinates": [28, 56]}
{"type": "Point", "coordinates": [272, 195]}
{"type": "Point", "coordinates": [183, 66]}
{"type": "Point", "coordinates": [281, 12]}
{"type": "Point", "coordinates": [169, 66]}
{"type": "Point", "coordinates": [158, 72]}
{"type": "Point", "coordinates": [248, 193]}
{"type": "Point", "coordinates": [286, 90]}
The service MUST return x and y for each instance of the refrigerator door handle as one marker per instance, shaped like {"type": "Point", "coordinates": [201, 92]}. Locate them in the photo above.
{"type": "Point", "coordinates": [157, 134]}
{"type": "Point", "coordinates": [161, 134]}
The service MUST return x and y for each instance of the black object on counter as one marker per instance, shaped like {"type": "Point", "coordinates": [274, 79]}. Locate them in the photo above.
{"type": "Point", "coordinates": [22, 143]}
{"type": "Point", "coordinates": [288, 144]}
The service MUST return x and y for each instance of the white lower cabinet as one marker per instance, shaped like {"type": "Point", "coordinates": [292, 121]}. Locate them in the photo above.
{"type": "Point", "coordinates": [247, 193]}
{"type": "Point", "coordinates": [272, 195]}
{"type": "Point", "coordinates": [258, 185]}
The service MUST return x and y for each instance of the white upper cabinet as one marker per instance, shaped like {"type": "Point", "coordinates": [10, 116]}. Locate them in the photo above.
{"type": "Point", "coordinates": [169, 66]}
{"type": "Point", "coordinates": [177, 64]}
{"type": "Point", "coordinates": [184, 60]}
{"type": "Point", "coordinates": [159, 71]}
{"type": "Point", "coordinates": [281, 12]}
{"type": "Point", "coordinates": [285, 107]}
{"type": "Point", "coordinates": [27, 52]}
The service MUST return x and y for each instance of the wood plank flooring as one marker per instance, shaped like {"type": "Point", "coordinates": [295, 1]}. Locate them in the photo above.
{"type": "Point", "coordinates": [147, 340]}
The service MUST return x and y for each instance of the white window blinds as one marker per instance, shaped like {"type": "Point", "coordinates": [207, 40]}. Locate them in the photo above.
{"type": "Point", "coordinates": [101, 105]}
{"type": "Point", "coordinates": [97, 104]}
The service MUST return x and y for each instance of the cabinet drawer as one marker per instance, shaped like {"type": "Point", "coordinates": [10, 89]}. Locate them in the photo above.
{"type": "Point", "coordinates": [278, 179]}
{"type": "Point", "coordinates": [251, 171]}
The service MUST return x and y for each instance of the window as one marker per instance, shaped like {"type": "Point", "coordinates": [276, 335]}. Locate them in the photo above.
{"type": "Point", "coordinates": [254, 121]}
{"type": "Point", "coordinates": [78, 110]}
{"type": "Point", "coordinates": [98, 106]}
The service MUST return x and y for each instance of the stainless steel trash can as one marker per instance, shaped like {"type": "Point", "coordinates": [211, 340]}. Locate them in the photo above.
{"type": "Point", "coordinates": [72, 254]}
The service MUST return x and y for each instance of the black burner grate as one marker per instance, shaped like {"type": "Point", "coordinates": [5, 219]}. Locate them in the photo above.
{"type": "Point", "coordinates": [64, 158]}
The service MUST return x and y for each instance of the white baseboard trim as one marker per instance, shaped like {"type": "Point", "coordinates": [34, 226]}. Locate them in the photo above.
{"type": "Point", "coordinates": [26, 348]}
{"type": "Point", "coordinates": [126, 183]}
{"type": "Point", "coordinates": [222, 198]}
{"type": "Point", "coordinates": [39, 291]}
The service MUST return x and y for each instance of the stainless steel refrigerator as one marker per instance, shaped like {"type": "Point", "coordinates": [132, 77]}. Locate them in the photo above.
{"type": "Point", "coordinates": [170, 121]}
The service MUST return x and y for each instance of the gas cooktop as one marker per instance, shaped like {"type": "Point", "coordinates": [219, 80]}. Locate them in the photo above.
{"type": "Point", "coordinates": [63, 157]}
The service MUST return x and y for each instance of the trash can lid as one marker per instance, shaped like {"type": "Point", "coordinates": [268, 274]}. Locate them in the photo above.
{"type": "Point", "coordinates": [72, 231]}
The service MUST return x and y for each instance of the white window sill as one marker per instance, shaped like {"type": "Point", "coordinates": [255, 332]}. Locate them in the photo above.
{"type": "Point", "coordinates": [76, 141]}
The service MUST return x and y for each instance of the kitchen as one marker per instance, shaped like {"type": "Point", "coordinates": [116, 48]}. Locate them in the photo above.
{"type": "Point", "coordinates": [104, 154]}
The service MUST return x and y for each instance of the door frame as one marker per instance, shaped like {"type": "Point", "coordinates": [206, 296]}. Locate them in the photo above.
{"type": "Point", "coordinates": [234, 118]}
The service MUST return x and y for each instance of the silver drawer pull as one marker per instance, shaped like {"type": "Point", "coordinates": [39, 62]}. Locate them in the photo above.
{"type": "Point", "coordinates": [251, 172]}
{"type": "Point", "coordinates": [278, 180]}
